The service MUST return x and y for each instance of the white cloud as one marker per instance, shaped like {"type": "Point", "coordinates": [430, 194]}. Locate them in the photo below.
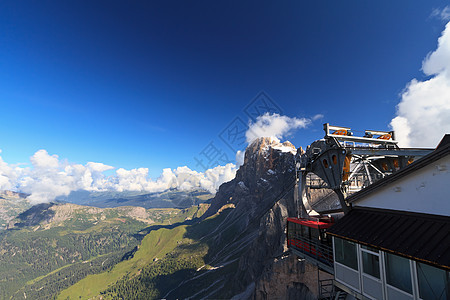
{"type": "Point", "coordinates": [317, 117]}
{"type": "Point", "coordinates": [51, 177]}
{"type": "Point", "coordinates": [275, 126]}
{"type": "Point", "coordinates": [98, 167]}
{"type": "Point", "coordinates": [423, 114]}
{"type": "Point", "coordinates": [41, 159]}
{"type": "Point", "coordinates": [8, 175]}
{"type": "Point", "coordinates": [240, 156]}
{"type": "Point", "coordinates": [443, 14]}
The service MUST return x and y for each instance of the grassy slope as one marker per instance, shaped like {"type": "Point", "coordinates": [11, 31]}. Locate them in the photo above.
{"type": "Point", "coordinates": [35, 246]}
{"type": "Point", "coordinates": [155, 244]}
{"type": "Point", "coordinates": [181, 242]}
{"type": "Point", "coordinates": [83, 222]}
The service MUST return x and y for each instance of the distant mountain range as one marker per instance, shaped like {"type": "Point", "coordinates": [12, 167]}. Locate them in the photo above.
{"type": "Point", "coordinates": [168, 199]}
{"type": "Point", "coordinates": [193, 246]}
{"type": "Point", "coordinates": [13, 203]}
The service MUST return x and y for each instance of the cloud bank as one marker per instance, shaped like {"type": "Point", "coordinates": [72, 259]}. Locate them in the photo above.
{"type": "Point", "coordinates": [275, 126]}
{"type": "Point", "coordinates": [50, 177]}
{"type": "Point", "coordinates": [423, 114]}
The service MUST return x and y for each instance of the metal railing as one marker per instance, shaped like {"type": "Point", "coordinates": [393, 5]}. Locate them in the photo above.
{"type": "Point", "coordinates": [320, 252]}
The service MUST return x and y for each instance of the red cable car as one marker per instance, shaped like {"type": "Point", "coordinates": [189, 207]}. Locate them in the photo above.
{"type": "Point", "coordinates": [309, 236]}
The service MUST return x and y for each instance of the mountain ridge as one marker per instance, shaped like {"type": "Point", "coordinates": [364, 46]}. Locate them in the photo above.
{"type": "Point", "coordinates": [171, 198]}
{"type": "Point", "coordinates": [232, 246]}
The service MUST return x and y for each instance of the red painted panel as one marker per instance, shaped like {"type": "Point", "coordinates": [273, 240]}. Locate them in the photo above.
{"type": "Point", "coordinates": [312, 223]}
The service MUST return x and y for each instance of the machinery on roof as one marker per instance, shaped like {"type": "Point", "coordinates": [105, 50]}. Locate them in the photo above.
{"type": "Point", "coordinates": [341, 164]}
{"type": "Point", "coordinates": [345, 163]}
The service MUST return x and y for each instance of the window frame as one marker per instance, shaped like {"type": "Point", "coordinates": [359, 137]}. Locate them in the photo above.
{"type": "Point", "coordinates": [356, 258]}
{"type": "Point", "coordinates": [412, 274]}
{"type": "Point", "coordinates": [377, 254]}
{"type": "Point", "coordinates": [418, 276]}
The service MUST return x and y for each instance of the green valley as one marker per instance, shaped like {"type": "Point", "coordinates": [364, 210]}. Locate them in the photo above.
{"type": "Point", "coordinates": [52, 246]}
{"type": "Point", "coordinates": [164, 259]}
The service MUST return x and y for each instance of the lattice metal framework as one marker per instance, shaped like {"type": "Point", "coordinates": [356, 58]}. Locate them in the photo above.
{"type": "Point", "coordinates": [346, 163]}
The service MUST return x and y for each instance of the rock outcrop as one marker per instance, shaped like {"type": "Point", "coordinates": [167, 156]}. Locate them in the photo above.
{"type": "Point", "coordinates": [263, 196]}
{"type": "Point", "coordinates": [287, 278]}
{"type": "Point", "coordinates": [247, 256]}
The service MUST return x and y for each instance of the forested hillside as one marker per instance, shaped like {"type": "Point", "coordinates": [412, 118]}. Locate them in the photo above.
{"type": "Point", "coordinates": [164, 260]}
{"type": "Point", "coordinates": [52, 246]}
{"type": "Point", "coordinates": [225, 253]}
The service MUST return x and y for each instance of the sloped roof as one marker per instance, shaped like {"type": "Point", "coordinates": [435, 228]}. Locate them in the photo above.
{"type": "Point", "coordinates": [421, 237]}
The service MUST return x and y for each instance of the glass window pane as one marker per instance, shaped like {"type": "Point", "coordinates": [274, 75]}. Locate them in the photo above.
{"type": "Point", "coordinates": [433, 282]}
{"type": "Point", "coordinates": [305, 232]}
{"type": "Point", "coordinates": [371, 264]}
{"type": "Point", "coordinates": [346, 253]}
{"type": "Point", "coordinates": [369, 248]}
{"type": "Point", "coordinates": [398, 273]}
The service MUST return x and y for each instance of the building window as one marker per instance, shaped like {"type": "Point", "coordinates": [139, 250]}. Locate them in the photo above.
{"type": "Point", "coordinates": [398, 272]}
{"type": "Point", "coordinates": [434, 283]}
{"type": "Point", "coordinates": [371, 264]}
{"type": "Point", "coordinates": [369, 248]}
{"type": "Point", "coordinates": [346, 253]}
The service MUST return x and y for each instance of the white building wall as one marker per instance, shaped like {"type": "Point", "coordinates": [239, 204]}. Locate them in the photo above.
{"type": "Point", "coordinates": [426, 190]}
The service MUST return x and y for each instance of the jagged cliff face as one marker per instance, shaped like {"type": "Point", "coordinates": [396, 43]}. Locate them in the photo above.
{"type": "Point", "coordinates": [263, 197]}
{"type": "Point", "coordinates": [265, 174]}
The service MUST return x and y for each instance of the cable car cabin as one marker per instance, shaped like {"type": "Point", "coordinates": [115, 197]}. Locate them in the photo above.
{"type": "Point", "coordinates": [309, 237]}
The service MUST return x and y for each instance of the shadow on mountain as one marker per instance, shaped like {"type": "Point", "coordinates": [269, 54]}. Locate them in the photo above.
{"type": "Point", "coordinates": [244, 226]}
{"type": "Point", "coordinates": [234, 244]}
{"type": "Point", "coordinates": [143, 232]}
{"type": "Point", "coordinates": [163, 283]}
{"type": "Point", "coordinates": [118, 200]}
{"type": "Point", "coordinates": [34, 215]}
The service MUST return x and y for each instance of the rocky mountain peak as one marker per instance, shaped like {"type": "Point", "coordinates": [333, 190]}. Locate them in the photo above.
{"type": "Point", "coordinates": [261, 195]}
{"type": "Point", "coordinates": [265, 166]}
{"type": "Point", "coordinates": [264, 158]}
{"type": "Point", "coordinates": [263, 144]}
{"type": "Point", "coordinates": [12, 194]}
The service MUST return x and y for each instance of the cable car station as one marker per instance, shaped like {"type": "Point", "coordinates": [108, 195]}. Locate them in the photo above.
{"type": "Point", "coordinates": [374, 216]}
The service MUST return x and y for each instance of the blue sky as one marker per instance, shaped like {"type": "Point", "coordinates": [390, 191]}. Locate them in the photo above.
{"type": "Point", "coordinates": [151, 84]}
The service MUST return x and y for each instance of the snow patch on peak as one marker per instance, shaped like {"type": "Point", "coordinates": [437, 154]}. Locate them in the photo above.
{"type": "Point", "coordinates": [284, 148]}
{"type": "Point", "coordinates": [263, 146]}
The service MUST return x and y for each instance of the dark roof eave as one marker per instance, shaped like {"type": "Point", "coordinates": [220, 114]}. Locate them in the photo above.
{"type": "Point", "coordinates": [418, 236]}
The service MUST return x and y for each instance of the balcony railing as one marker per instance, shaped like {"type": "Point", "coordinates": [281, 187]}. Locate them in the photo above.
{"type": "Point", "coordinates": [313, 249]}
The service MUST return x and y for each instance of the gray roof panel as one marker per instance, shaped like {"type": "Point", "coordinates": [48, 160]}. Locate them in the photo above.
{"type": "Point", "coordinates": [421, 237]}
